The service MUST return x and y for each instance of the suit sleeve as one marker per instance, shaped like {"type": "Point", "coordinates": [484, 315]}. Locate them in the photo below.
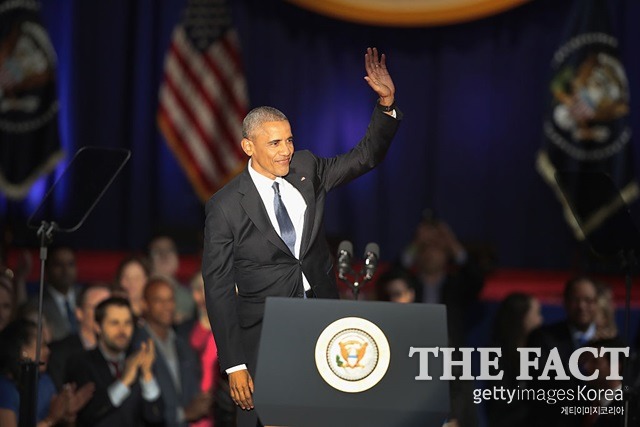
{"type": "Point", "coordinates": [366, 155]}
{"type": "Point", "coordinates": [219, 282]}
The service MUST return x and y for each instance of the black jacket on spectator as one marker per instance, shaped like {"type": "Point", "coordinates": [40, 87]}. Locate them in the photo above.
{"type": "Point", "coordinates": [134, 411]}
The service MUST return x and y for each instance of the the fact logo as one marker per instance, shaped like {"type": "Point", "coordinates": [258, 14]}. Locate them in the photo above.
{"type": "Point", "coordinates": [352, 354]}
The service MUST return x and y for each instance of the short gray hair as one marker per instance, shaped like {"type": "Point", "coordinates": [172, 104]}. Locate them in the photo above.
{"type": "Point", "coordinates": [258, 116]}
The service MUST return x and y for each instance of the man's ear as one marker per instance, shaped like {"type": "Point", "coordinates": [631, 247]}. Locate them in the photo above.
{"type": "Point", "coordinates": [247, 147]}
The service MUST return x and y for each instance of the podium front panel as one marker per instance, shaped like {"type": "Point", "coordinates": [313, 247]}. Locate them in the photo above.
{"type": "Point", "coordinates": [289, 390]}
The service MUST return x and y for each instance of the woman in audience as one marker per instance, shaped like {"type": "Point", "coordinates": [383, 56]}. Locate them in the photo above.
{"type": "Point", "coordinates": [203, 343]}
{"type": "Point", "coordinates": [517, 316]}
{"type": "Point", "coordinates": [131, 277]}
{"type": "Point", "coordinates": [17, 343]}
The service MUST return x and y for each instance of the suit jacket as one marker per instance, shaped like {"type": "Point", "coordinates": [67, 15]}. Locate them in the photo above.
{"type": "Point", "coordinates": [61, 352]}
{"type": "Point", "coordinates": [91, 366]}
{"type": "Point", "coordinates": [243, 249]}
{"type": "Point", "coordinates": [189, 368]}
{"type": "Point", "coordinates": [57, 320]}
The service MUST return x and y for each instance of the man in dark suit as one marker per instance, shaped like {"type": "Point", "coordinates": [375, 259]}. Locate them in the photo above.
{"type": "Point", "coordinates": [565, 336]}
{"type": "Point", "coordinates": [126, 391]}
{"type": "Point", "coordinates": [177, 368]}
{"type": "Point", "coordinates": [59, 296]}
{"type": "Point", "coordinates": [63, 350]}
{"type": "Point", "coordinates": [264, 232]}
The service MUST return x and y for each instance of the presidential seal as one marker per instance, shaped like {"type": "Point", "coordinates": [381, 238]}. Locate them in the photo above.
{"type": "Point", "coordinates": [352, 354]}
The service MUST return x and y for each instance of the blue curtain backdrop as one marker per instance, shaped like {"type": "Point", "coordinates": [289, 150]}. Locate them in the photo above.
{"type": "Point", "coordinates": [473, 95]}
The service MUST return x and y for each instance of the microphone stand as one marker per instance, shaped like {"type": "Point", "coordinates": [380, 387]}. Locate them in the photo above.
{"type": "Point", "coordinates": [30, 369]}
{"type": "Point", "coordinates": [355, 282]}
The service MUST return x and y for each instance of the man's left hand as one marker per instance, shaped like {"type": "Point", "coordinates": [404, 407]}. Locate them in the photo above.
{"type": "Point", "coordinates": [378, 76]}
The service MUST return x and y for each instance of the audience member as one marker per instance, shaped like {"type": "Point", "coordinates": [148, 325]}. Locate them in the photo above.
{"type": "Point", "coordinates": [166, 262]}
{"type": "Point", "coordinates": [176, 368]}
{"type": "Point", "coordinates": [127, 392]}
{"type": "Point", "coordinates": [213, 381]}
{"type": "Point", "coordinates": [565, 336]}
{"type": "Point", "coordinates": [63, 350]}
{"type": "Point", "coordinates": [517, 316]}
{"type": "Point", "coordinates": [18, 342]}
{"type": "Point", "coordinates": [7, 301]}
{"type": "Point", "coordinates": [396, 285]}
{"type": "Point", "coordinates": [605, 312]}
{"type": "Point", "coordinates": [59, 297]}
{"type": "Point", "coordinates": [446, 273]}
{"type": "Point", "coordinates": [131, 277]}
{"type": "Point", "coordinates": [18, 275]}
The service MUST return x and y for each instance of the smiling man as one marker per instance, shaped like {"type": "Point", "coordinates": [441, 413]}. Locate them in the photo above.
{"type": "Point", "coordinates": [264, 231]}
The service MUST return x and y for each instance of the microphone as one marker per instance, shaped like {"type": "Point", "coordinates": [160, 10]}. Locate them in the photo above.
{"type": "Point", "coordinates": [371, 256]}
{"type": "Point", "coordinates": [345, 253]}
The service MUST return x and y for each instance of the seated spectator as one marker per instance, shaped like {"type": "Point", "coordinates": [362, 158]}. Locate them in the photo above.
{"type": "Point", "coordinates": [127, 393]}
{"type": "Point", "coordinates": [59, 298]}
{"type": "Point", "coordinates": [166, 262]}
{"type": "Point", "coordinates": [565, 336]}
{"type": "Point", "coordinates": [605, 312]}
{"type": "Point", "coordinates": [131, 276]}
{"type": "Point", "coordinates": [396, 285]}
{"type": "Point", "coordinates": [517, 316]}
{"type": "Point", "coordinates": [18, 342]}
{"type": "Point", "coordinates": [7, 301]}
{"type": "Point", "coordinates": [63, 350]}
{"type": "Point", "coordinates": [177, 367]}
{"type": "Point", "coordinates": [18, 275]}
{"type": "Point", "coordinates": [446, 274]}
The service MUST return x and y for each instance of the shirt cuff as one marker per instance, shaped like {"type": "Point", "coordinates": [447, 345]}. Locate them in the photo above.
{"type": "Point", "coordinates": [150, 389]}
{"type": "Point", "coordinates": [118, 392]}
{"type": "Point", "coordinates": [235, 368]}
{"type": "Point", "coordinates": [180, 412]}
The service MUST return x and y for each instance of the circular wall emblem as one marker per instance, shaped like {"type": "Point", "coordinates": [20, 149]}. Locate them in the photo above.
{"type": "Point", "coordinates": [352, 354]}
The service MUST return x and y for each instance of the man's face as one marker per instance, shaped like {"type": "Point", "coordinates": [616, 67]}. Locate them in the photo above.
{"type": "Point", "coordinates": [270, 148]}
{"type": "Point", "coordinates": [85, 313]}
{"type": "Point", "coordinates": [116, 329]}
{"type": "Point", "coordinates": [581, 305]}
{"type": "Point", "coordinates": [61, 270]}
{"type": "Point", "coordinates": [160, 304]}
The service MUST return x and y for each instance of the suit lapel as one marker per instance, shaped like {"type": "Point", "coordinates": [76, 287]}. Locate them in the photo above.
{"type": "Point", "coordinates": [252, 205]}
{"type": "Point", "coordinates": [101, 366]}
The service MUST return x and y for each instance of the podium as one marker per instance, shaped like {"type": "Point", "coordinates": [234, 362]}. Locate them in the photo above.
{"type": "Point", "coordinates": [346, 363]}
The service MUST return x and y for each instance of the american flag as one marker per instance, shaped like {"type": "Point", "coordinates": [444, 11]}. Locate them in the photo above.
{"type": "Point", "coordinates": [203, 96]}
